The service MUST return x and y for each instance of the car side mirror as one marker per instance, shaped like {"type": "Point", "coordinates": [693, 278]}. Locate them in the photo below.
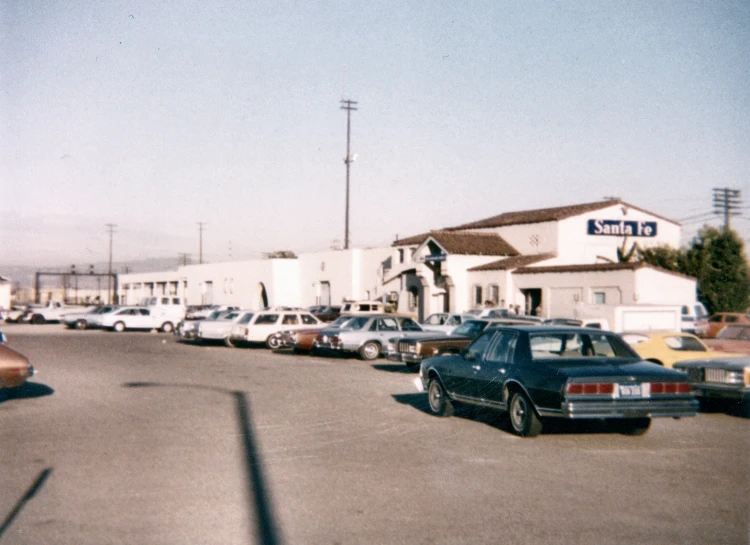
{"type": "Point", "coordinates": [468, 355]}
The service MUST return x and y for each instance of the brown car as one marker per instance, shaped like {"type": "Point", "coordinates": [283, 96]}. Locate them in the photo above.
{"type": "Point", "coordinates": [733, 338]}
{"type": "Point", "coordinates": [301, 340]}
{"type": "Point", "coordinates": [14, 368]}
{"type": "Point", "coordinates": [413, 350]}
{"type": "Point", "coordinates": [720, 320]}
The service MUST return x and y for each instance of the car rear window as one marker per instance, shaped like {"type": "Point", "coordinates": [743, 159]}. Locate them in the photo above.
{"type": "Point", "coordinates": [577, 345]}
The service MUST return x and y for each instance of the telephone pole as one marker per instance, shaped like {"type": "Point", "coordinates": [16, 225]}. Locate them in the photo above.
{"type": "Point", "coordinates": [111, 228]}
{"type": "Point", "coordinates": [727, 202]}
{"type": "Point", "coordinates": [347, 105]}
{"type": "Point", "coordinates": [201, 226]}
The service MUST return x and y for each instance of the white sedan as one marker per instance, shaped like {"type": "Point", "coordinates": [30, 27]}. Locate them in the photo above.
{"type": "Point", "coordinates": [126, 318]}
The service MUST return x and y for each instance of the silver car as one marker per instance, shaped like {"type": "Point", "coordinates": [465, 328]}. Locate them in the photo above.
{"type": "Point", "coordinates": [367, 335]}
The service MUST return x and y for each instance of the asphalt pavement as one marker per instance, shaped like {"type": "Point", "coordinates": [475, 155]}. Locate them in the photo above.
{"type": "Point", "coordinates": [137, 438]}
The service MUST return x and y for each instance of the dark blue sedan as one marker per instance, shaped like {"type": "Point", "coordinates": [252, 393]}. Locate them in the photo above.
{"type": "Point", "coordinates": [535, 373]}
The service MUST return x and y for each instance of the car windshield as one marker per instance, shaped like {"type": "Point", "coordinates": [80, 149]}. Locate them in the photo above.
{"type": "Point", "coordinates": [340, 321]}
{"type": "Point", "coordinates": [246, 318]}
{"type": "Point", "coordinates": [683, 343]}
{"type": "Point", "coordinates": [470, 328]}
{"type": "Point", "coordinates": [576, 345]}
{"type": "Point", "coordinates": [356, 323]}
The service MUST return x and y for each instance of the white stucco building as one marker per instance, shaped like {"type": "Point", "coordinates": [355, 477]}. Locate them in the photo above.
{"type": "Point", "coordinates": [327, 277]}
{"type": "Point", "coordinates": [553, 259]}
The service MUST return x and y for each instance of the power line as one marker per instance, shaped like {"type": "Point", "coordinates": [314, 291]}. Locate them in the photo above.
{"type": "Point", "coordinates": [727, 202]}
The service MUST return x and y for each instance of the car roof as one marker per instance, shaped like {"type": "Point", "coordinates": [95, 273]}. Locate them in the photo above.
{"type": "Point", "coordinates": [531, 328]}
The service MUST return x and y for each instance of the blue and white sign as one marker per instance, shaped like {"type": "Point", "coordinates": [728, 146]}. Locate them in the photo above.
{"type": "Point", "coordinates": [620, 228]}
{"type": "Point", "coordinates": [434, 257]}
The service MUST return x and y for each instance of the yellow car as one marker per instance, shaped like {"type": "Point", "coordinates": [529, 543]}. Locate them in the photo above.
{"type": "Point", "coordinates": [667, 348]}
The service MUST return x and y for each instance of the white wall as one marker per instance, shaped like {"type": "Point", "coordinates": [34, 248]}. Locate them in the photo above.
{"type": "Point", "coordinates": [655, 287]}
{"type": "Point", "coordinates": [350, 274]}
{"type": "Point", "coordinates": [576, 246]}
{"type": "Point", "coordinates": [5, 287]}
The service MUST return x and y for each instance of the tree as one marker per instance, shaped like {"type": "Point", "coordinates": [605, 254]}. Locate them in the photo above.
{"type": "Point", "coordinates": [624, 254]}
{"type": "Point", "coordinates": [664, 256]}
{"type": "Point", "coordinates": [717, 259]}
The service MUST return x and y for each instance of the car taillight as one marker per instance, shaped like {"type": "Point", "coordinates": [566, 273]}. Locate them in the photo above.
{"type": "Point", "coordinates": [334, 339]}
{"type": "Point", "coordinates": [670, 388]}
{"type": "Point", "coordinates": [590, 388]}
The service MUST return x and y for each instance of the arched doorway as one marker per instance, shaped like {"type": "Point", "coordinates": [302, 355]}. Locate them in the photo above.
{"type": "Point", "coordinates": [262, 296]}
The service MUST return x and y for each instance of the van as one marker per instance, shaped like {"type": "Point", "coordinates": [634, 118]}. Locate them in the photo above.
{"type": "Point", "coordinates": [694, 319]}
{"type": "Point", "coordinates": [363, 307]}
{"type": "Point", "coordinates": [170, 307]}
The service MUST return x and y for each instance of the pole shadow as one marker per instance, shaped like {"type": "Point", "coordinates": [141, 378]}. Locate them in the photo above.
{"type": "Point", "coordinates": [266, 530]}
{"type": "Point", "coordinates": [26, 498]}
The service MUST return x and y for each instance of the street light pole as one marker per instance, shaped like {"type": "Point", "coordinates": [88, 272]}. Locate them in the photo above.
{"type": "Point", "coordinates": [347, 105]}
{"type": "Point", "coordinates": [111, 229]}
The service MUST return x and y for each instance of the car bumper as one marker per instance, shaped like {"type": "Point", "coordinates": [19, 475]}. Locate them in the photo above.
{"type": "Point", "coordinates": [674, 408]}
{"type": "Point", "coordinates": [718, 391]}
{"type": "Point", "coordinates": [404, 357]}
{"type": "Point", "coordinates": [328, 346]}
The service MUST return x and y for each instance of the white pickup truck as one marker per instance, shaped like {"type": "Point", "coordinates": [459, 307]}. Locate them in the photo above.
{"type": "Point", "coordinates": [51, 312]}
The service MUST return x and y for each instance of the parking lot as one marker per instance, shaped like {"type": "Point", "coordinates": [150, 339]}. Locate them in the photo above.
{"type": "Point", "coordinates": [136, 438]}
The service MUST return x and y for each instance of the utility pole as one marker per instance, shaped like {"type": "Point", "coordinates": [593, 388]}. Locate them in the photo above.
{"type": "Point", "coordinates": [111, 229]}
{"type": "Point", "coordinates": [347, 105]}
{"type": "Point", "coordinates": [201, 227]}
{"type": "Point", "coordinates": [727, 202]}
{"type": "Point", "coordinates": [184, 258]}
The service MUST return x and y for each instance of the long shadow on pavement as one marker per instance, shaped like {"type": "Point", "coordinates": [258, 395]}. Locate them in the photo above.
{"type": "Point", "coordinates": [266, 531]}
{"type": "Point", "coordinates": [26, 498]}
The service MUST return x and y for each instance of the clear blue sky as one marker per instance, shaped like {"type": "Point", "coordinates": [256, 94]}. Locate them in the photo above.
{"type": "Point", "coordinates": [155, 116]}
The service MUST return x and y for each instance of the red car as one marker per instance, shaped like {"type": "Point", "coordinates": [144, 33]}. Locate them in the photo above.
{"type": "Point", "coordinates": [733, 338]}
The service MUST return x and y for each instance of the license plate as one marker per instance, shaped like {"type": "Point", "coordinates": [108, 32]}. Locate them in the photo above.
{"type": "Point", "coordinates": [630, 390]}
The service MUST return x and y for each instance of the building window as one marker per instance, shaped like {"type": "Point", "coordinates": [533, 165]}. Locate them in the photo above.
{"type": "Point", "coordinates": [600, 298]}
{"type": "Point", "coordinates": [493, 293]}
{"type": "Point", "coordinates": [401, 255]}
{"type": "Point", "coordinates": [478, 299]}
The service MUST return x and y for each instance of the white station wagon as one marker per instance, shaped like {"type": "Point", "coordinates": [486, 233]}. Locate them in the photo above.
{"type": "Point", "coordinates": [266, 325]}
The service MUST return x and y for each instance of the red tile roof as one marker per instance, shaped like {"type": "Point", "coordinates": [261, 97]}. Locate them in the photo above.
{"type": "Point", "coordinates": [464, 243]}
{"type": "Point", "coordinates": [596, 267]}
{"type": "Point", "coordinates": [546, 214]}
{"type": "Point", "coordinates": [512, 262]}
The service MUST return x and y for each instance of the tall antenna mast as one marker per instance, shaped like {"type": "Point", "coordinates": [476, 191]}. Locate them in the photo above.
{"type": "Point", "coordinates": [348, 105]}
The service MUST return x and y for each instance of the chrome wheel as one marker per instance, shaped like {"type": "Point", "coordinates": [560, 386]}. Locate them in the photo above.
{"type": "Point", "coordinates": [369, 351]}
{"type": "Point", "coordinates": [523, 419]}
{"type": "Point", "coordinates": [440, 405]}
